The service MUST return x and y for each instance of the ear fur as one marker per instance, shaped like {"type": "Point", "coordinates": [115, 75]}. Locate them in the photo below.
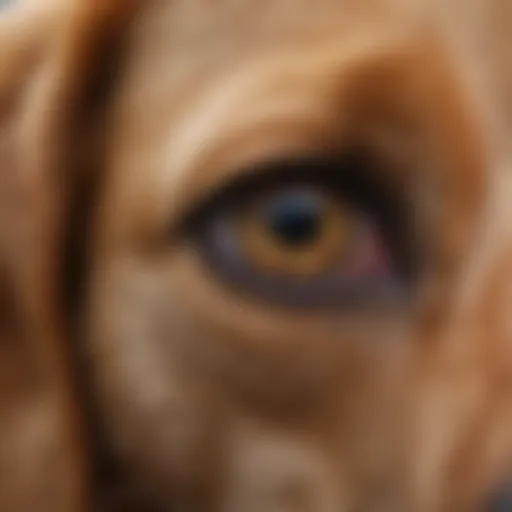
{"type": "Point", "coordinates": [58, 64]}
{"type": "Point", "coordinates": [38, 446]}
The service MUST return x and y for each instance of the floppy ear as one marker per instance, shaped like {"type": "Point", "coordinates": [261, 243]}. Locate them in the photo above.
{"type": "Point", "coordinates": [38, 443]}
{"type": "Point", "coordinates": [58, 66]}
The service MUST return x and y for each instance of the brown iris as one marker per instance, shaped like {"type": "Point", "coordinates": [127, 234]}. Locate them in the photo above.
{"type": "Point", "coordinates": [295, 231]}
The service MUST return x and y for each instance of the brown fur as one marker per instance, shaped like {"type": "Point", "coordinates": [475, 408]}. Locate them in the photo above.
{"type": "Point", "coordinates": [164, 387]}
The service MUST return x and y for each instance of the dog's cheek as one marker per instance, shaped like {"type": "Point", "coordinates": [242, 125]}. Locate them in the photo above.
{"type": "Point", "coordinates": [157, 413]}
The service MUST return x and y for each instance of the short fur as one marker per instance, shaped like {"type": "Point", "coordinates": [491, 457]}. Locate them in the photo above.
{"type": "Point", "coordinates": [134, 378]}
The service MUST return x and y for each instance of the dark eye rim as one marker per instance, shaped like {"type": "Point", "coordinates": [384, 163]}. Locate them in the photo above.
{"type": "Point", "coordinates": [357, 176]}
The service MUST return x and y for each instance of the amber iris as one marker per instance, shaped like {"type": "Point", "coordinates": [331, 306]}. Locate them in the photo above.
{"type": "Point", "coordinates": [297, 230]}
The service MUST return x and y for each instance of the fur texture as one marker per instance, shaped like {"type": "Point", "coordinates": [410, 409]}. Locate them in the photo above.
{"type": "Point", "coordinates": [139, 377]}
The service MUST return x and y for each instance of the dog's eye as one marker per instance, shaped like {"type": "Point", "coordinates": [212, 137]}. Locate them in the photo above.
{"type": "Point", "coordinates": [310, 233]}
{"type": "Point", "coordinates": [296, 231]}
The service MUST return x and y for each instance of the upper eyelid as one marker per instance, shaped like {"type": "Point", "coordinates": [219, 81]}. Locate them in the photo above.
{"type": "Point", "coordinates": [387, 172]}
{"type": "Point", "coordinates": [347, 175]}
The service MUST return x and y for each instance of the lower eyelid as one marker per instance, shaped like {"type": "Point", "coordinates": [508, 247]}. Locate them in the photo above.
{"type": "Point", "coordinates": [374, 279]}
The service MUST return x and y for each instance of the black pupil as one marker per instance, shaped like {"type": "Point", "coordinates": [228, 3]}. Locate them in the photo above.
{"type": "Point", "coordinates": [295, 217]}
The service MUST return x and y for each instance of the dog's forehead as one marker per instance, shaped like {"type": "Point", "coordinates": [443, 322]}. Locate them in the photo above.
{"type": "Point", "coordinates": [171, 41]}
{"type": "Point", "coordinates": [227, 29]}
{"type": "Point", "coordinates": [176, 44]}
{"type": "Point", "coordinates": [175, 48]}
{"type": "Point", "coordinates": [234, 24]}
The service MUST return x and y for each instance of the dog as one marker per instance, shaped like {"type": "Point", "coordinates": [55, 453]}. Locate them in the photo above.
{"type": "Point", "coordinates": [255, 256]}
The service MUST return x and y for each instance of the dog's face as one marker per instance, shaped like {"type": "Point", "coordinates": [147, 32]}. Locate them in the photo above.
{"type": "Point", "coordinates": [290, 241]}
